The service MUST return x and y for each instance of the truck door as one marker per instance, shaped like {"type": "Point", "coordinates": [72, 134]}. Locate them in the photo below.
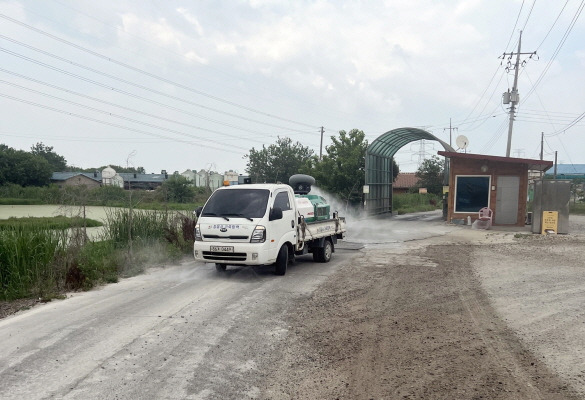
{"type": "Point", "coordinates": [286, 225]}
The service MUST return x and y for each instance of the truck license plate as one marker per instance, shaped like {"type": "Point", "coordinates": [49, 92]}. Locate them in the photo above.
{"type": "Point", "coordinates": [222, 249]}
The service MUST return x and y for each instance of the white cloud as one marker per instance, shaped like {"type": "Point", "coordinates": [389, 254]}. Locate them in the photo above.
{"type": "Point", "coordinates": [191, 19]}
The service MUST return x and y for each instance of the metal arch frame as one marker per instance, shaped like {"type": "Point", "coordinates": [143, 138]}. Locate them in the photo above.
{"type": "Point", "coordinates": [379, 173]}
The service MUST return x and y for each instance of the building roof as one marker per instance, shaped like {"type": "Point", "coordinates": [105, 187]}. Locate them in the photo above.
{"type": "Point", "coordinates": [132, 177]}
{"type": "Point", "coordinates": [97, 176]}
{"type": "Point", "coordinates": [533, 165]}
{"type": "Point", "coordinates": [406, 180]}
{"type": "Point", "coordinates": [569, 169]}
{"type": "Point", "coordinates": [63, 176]}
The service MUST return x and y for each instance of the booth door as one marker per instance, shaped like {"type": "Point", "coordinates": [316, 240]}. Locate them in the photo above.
{"type": "Point", "coordinates": [507, 200]}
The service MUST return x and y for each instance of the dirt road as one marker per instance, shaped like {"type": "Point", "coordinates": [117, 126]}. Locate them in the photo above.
{"type": "Point", "coordinates": [470, 315]}
{"type": "Point", "coordinates": [412, 308]}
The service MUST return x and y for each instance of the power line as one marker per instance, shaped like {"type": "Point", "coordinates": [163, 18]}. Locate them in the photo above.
{"type": "Point", "coordinates": [143, 87]}
{"type": "Point", "coordinates": [225, 148]}
{"type": "Point", "coordinates": [558, 49]}
{"type": "Point", "coordinates": [141, 71]}
{"type": "Point", "coordinates": [116, 115]}
{"type": "Point", "coordinates": [120, 106]}
{"type": "Point", "coordinates": [553, 25]}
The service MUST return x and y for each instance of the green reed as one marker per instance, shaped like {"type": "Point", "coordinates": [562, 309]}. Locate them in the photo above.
{"type": "Point", "coordinates": [27, 260]}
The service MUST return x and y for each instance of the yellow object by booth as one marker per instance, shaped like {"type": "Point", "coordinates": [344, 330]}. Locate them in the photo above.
{"type": "Point", "coordinates": [550, 222]}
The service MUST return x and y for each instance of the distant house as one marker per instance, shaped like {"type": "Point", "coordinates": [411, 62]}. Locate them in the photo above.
{"type": "Point", "coordinates": [109, 177]}
{"type": "Point", "coordinates": [88, 179]}
{"type": "Point", "coordinates": [404, 182]}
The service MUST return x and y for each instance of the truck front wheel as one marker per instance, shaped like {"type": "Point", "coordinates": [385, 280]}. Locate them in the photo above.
{"type": "Point", "coordinates": [323, 254]}
{"type": "Point", "coordinates": [281, 260]}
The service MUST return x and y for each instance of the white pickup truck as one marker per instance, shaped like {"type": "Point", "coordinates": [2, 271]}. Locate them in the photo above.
{"type": "Point", "coordinates": [261, 224]}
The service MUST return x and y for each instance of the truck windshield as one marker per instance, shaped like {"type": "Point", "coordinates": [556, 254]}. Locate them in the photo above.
{"type": "Point", "coordinates": [245, 203]}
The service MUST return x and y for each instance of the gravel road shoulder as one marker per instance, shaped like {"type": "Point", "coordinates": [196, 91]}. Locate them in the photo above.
{"type": "Point", "coordinates": [472, 314]}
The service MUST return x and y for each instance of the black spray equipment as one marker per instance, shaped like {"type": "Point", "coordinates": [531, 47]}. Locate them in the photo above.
{"type": "Point", "coordinates": [301, 184]}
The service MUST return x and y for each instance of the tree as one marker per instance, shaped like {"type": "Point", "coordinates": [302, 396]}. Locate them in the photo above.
{"type": "Point", "coordinates": [277, 162]}
{"type": "Point", "coordinates": [23, 168]}
{"type": "Point", "coordinates": [342, 169]}
{"type": "Point", "coordinates": [430, 175]}
{"type": "Point", "coordinates": [178, 189]}
{"type": "Point", "coordinates": [57, 162]}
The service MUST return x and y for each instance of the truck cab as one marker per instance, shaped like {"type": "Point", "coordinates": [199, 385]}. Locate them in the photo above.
{"type": "Point", "coordinates": [247, 225]}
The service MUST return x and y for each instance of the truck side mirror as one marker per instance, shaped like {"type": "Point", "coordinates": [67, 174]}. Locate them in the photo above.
{"type": "Point", "coordinates": [275, 213]}
{"type": "Point", "coordinates": [198, 211]}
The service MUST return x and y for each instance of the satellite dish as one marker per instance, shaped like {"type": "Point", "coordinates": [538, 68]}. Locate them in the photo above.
{"type": "Point", "coordinates": [462, 142]}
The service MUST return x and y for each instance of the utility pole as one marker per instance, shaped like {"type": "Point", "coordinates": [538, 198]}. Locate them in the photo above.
{"type": "Point", "coordinates": [513, 97]}
{"type": "Point", "coordinates": [541, 151]}
{"type": "Point", "coordinates": [321, 147]}
{"type": "Point", "coordinates": [451, 129]}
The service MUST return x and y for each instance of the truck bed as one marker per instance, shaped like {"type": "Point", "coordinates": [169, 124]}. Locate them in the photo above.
{"type": "Point", "coordinates": [308, 231]}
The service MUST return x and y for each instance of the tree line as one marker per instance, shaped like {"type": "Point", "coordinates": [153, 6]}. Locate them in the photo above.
{"type": "Point", "coordinates": [341, 170]}
{"type": "Point", "coordinates": [35, 167]}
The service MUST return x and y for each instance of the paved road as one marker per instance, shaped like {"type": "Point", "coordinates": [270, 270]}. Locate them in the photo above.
{"type": "Point", "coordinates": [177, 332]}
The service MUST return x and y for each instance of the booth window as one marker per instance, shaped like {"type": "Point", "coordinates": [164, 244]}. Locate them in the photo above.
{"type": "Point", "coordinates": [472, 192]}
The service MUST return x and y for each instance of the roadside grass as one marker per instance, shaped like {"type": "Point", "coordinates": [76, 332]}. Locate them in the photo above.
{"type": "Point", "coordinates": [405, 203]}
{"type": "Point", "coordinates": [27, 258]}
{"type": "Point", "coordinates": [43, 259]}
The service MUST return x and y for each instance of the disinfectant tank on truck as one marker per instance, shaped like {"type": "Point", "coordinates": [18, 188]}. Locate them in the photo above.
{"type": "Point", "coordinates": [261, 224]}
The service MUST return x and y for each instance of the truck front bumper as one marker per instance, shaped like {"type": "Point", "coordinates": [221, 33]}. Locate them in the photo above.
{"type": "Point", "coordinates": [232, 253]}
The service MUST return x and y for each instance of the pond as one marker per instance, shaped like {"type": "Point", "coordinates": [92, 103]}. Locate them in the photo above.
{"type": "Point", "coordinates": [93, 212]}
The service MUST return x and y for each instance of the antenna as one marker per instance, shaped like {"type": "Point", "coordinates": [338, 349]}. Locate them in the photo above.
{"type": "Point", "coordinates": [462, 142]}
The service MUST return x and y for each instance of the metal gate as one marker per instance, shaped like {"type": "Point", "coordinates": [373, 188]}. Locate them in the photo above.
{"type": "Point", "coordinates": [379, 175]}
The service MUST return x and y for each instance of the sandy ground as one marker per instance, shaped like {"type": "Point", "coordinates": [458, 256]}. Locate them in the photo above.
{"type": "Point", "coordinates": [454, 313]}
{"type": "Point", "coordinates": [469, 315]}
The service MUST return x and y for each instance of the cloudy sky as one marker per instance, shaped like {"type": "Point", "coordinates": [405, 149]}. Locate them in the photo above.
{"type": "Point", "coordinates": [169, 84]}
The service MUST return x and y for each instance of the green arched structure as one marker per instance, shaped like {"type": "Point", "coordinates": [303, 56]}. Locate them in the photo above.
{"type": "Point", "coordinates": [379, 174]}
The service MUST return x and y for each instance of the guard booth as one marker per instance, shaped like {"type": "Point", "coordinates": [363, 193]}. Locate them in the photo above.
{"type": "Point", "coordinates": [499, 183]}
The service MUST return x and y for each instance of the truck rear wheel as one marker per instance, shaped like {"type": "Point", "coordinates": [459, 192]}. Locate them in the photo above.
{"type": "Point", "coordinates": [281, 261]}
{"type": "Point", "coordinates": [323, 254]}
{"type": "Point", "coordinates": [220, 267]}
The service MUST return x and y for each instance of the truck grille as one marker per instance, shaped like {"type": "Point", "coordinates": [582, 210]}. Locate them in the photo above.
{"type": "Point", "coordinates": [217, 256]}
{"type": "Point", "coordinates": [232, 237]}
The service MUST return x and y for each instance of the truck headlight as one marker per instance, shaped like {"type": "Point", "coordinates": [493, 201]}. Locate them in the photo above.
{"type": "Point", "coordinates": [259, 235]}
{"type": "Point", "coordinates": [198, 233]}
